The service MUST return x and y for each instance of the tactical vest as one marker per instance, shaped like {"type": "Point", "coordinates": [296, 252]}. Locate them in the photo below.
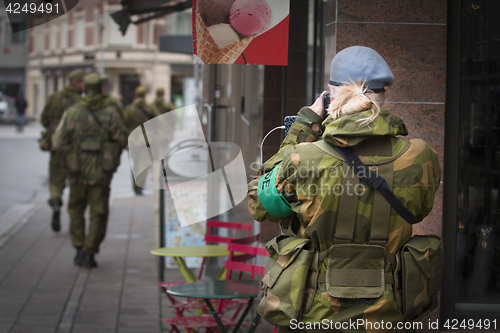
{"type": "Point", "coordinates": [353, 271]}
{"type": "Point", "coordinates": [101, 144]}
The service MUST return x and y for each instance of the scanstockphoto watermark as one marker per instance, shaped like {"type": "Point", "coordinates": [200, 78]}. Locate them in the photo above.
{"type": "Point", "coordinates": [312, 170]}
{"type": "Point", "coordinates": [26, 14]}
{"type": "Point", "coordinates": [354, 324]}
{"type": "Point", "coordinates": [324, 188]}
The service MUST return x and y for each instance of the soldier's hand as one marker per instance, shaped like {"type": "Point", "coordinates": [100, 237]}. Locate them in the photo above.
{"type": "Point", "coordinates": [317, 106]}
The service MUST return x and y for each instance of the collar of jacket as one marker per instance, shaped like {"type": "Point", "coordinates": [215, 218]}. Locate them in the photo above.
{"type": "Point", "coordinates": [93, 101]}
{"type": "Point", "coordinates": [347, 131]}
{"type": "Point", "coordinates": [71, 89]}
{"type": "Point", "coordinates": [139, 102]}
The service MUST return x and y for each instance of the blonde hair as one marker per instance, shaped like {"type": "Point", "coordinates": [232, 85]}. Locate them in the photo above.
{"type": "Point", "coordinates": [353, 98]}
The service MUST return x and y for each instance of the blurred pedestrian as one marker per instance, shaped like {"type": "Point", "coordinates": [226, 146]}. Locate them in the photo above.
{"type": "Point", "coordinates": [56, 104]}
{"type": "Point", "coordinates": [91, 136]}
{"type": "Point", "coordinates": [160, 104]}
{"type": "Point", "coordinates": [161, 107]}
{"type": "Point", "coordinates": [21, 106]}
{"type": "Point", "coordinates": [136, 114]}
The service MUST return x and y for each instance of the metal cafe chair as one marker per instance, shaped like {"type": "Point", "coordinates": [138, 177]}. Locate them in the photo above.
{"type": "Point", "coordinates": [240, 253]}
{"type": "Point", "coordinates": [212, 236]}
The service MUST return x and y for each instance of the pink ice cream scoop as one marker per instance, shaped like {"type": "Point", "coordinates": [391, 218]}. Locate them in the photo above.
{"type": "Point", "coordinates": [250, 17]}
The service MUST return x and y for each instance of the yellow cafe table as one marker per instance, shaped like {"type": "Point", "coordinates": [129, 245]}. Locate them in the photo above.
{"type": "Point", "coordinates": [179, 252]}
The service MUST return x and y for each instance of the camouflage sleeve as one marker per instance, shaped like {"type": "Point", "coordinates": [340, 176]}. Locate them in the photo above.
{"type": "Point", "coordinates": [169, 106]}
{"type": "Point", "coordinates": [128, 116]}
{"type": "Point", "coordinates": [299, 132]}
{"type": "Point", "coordinates": [46, 113]}
{"type": "Point", "coordinates": [432, 175]}
{"type": "Point", "coordinates": [119, 132]}
{"type": "Point", "coordinates": [153, 110]}
{"type": "Point", "coordinates": [117, 105]}
{"type": "Point", "coordinates": [63, 133]}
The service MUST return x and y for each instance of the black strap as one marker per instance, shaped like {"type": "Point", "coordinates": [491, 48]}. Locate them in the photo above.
{"type": "Point", "coordinates": [95, 117]}
{"type": "Point", "coordinates": [375, 181]}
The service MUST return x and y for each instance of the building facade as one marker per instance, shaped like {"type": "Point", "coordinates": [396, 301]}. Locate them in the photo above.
{"type": "Point", "coordinates": [87, 38]}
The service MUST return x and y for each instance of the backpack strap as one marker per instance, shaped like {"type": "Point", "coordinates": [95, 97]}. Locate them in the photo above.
{"type": "Point", "coordinates": [147, 114]}
{"type": "Point", "coordinates": [381, 208]}
{"type": "Point", "coordinates": [95, 117]}
{"type": "Point", "coordinates": [346, 217]}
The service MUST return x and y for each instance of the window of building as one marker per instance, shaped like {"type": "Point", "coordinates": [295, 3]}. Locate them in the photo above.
{"type": "Point", "coordinates": [53, 36]}
{"type": "Point", "coordinates": [472, 169]}
{"type": "Point", "coordinates": [18, 37]}
{"type": "Point", "coordinates": [478, 218]}
{"type": "Point", "coordinates": [80, 32]}
{"type": "Point", "coordinates": [145, 32]}
{"type": "Point", "coordinates": [115, 37]}
{"type": "Point", "coordinates": [40, 40]}
{"type": "Point", "coordinates": [47, 87]}
{"type": "Point", "coordinates": [64, 34]}
{"type": "Point", "coordinates": [179, 23]}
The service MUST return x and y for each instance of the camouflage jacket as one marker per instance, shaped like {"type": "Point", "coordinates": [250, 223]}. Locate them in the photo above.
{"type": "Point", "coordinates": [56, 104]}
{"type": "Point", "coordinates": [161, 106]}
{"type": "Point", "coordinates": [138, 113]}
{"type": "Point", "coordinates": [309, 176]}
{"type": "Point", "coordinates": [93, 146]}
{"type": "Point", "coordinates": [108, 100]}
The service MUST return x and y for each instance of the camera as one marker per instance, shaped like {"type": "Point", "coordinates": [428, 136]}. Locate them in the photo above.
{"type": "Point", "coordinates": [326, 104]}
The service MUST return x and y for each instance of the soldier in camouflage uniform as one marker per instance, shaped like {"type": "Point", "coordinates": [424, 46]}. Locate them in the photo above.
{"type": "Point", "coordinates": [310, 177]}
{"type": "Point", "coordinates": [105, 83]}
{"type": "Point", "coordinates": [91, 135]}
{"type": "Point", "coordinates": [56, 104]}
{"type": "Point", "coordinates": [137, 114]}
{"type": "Point", "coordinates": [160, 104]}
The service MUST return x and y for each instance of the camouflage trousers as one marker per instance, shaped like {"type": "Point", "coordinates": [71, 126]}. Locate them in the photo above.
{"type": "Point", "coordinates": [57, 178]}
{"type": "Point", "coordinates": [97, 198]}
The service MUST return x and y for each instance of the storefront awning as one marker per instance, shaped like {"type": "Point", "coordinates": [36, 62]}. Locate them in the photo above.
{"type": "Point", "coordinates": [155, 9]}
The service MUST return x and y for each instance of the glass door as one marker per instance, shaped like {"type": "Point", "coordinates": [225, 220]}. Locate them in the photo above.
{"type": "Point", "coordinates": [477, 265]}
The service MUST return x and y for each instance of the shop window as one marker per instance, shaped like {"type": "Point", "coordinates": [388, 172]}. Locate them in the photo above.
{"type": "Point", "coordinates": [477, 265]}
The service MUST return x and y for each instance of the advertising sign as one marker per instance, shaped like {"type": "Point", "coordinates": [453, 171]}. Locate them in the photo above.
{"type": "Point", "coordinates": [253, 32]}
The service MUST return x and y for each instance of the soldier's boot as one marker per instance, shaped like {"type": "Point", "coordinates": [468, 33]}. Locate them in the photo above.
{"type": "Point", "coordinates": [79, 257]}
{"type": "Point", "coordinates": [56, 211]}
{"type": "Point", "coordinates": [89, 261]}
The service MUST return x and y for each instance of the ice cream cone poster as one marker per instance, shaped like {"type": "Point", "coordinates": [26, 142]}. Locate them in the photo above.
{"type": "Point", "coordinates": [253, 32]}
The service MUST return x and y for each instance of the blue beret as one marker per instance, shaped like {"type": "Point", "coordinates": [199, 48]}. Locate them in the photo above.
{"type": "Point", "coordinates": [361, 63]}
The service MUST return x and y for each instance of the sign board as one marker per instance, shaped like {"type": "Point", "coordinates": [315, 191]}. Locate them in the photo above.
{"type": "Point", "coordinates": [252, 32]}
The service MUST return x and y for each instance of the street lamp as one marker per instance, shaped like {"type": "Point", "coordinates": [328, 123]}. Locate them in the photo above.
{"type": "Point", "coordinates": [100, 26]}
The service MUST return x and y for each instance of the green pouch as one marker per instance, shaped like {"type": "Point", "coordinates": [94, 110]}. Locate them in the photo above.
{"type": "Point", "coordinates": [285, 279]}
{"type": "Point", "coordinates": [422, 264]}
{"type": "Point", "coordinates": [111, 156]}
{"type": "Point", "coordinates": [356, 271]}
{"type": "Point", "coordinates": [73, 160]}
{"type": "Point", "coordinates": [91, 143]}
{"type": "Point", "coordinates": [45, 142]}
